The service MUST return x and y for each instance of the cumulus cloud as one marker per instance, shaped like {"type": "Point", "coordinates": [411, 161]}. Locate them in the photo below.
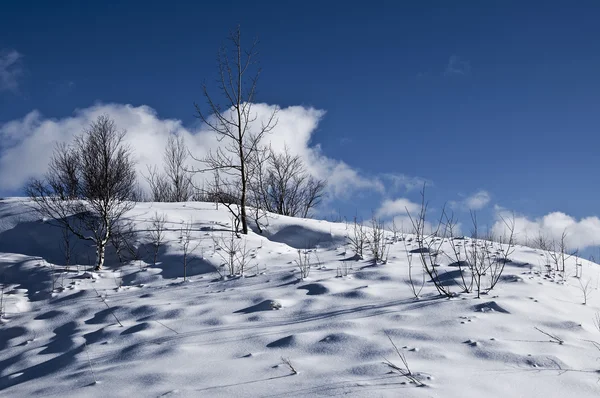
{"type": "Point", "coordinates": [580, 234]}
{"type": "Point", "coordinates": [400, 206]}
{"type": "Point", "coordinates": [477, 201]}
{"type": "Point", "coordinates": [10, 70]}
{"type": "Point", "coordinates": [403, 212]}
{"type": "Point", "coordinates": [26, 144]}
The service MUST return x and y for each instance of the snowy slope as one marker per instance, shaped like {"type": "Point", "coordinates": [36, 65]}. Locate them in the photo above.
{"type": "Point", "coordinates": [210, 336]}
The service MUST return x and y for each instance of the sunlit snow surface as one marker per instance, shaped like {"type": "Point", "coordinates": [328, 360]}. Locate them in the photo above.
{"type": "Point", "coordinates": [211, 337]}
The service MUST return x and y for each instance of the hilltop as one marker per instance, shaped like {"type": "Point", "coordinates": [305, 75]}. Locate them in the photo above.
{"type": "Point", "coordinates": [139, 329]}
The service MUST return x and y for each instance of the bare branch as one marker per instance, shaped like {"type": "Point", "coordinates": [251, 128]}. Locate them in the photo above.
{"type": "Point", "coordinates": [235, 124]}
{"type": "Point", "coordinates": [92, 197]}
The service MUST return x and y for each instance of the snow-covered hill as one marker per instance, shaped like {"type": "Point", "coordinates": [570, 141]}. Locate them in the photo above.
{"type": "Point", "coordinates": [140, 330]}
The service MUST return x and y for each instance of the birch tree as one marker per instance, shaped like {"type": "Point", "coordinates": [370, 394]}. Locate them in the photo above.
{"type": "Point", "coordinates": [89, 185]}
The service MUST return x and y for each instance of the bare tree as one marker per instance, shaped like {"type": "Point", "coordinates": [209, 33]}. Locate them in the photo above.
{"type": "Point", "coordinates": [226, 193]}
{"type": "Point", "coordinates": [124, 240]}
{"type": "Point", "coordinates": [159, 185]}
{"type": "Point", "coordinates": [303, 263]}
{"type": "Point", "coordinates": [233, 251]}
{"type": "Point", "coordinates": [376, 240]}
{"type": "Point", "coordinates": [543, 243]}
{"type": "Point", "coordinates": [504, 248]}
{"type": "Point", "coordinates": [157, 234]}
{"type": "Point", "coordinates": [214, 192]}
{"type": "Point", "coordinates": [185, 240]}
{"type": "Point", "coordinates": [284, 186]}
{"type": "Point", "coordinates": [586, 290]}
{"type": "Point", "coordinates": [63, 173]}
{"type": "Point", "coordinates": [175, 158]}
{"type": "Point", "coordinates": [560, 252]}
{"type": "Point", "coordinates": [459, 254]}
{"type": "Point", "coordinates": [415, 287]}
{"type": "Point", "coordinates": [227, 247]}
{"type": "Point", "coordinates": [359, 239]}
{"type": "Point", "coordinates": [397, 233]}
{"type": "Point", "coordinates": [235, 123]}
{"type": "Point", "coordinates": [140, 194]}
{"type": "Point", "coordinates": [478, 256]}
{"type": "Point", "coordinates": [257, 186]}
{"type": "Point", "coordinates": [66, 245]}
{"type": "Point", "coordinates": [175, 184]}
{"type": "Point", "coordinates": [91, 200]}
{"type": "Point", "coordinates": [482, 255]}
{"type": "Point", "coordinates": [429, 244]}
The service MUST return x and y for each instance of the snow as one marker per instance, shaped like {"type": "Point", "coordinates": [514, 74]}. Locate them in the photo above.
{"type": "Point", "coordinates": [213, 336]}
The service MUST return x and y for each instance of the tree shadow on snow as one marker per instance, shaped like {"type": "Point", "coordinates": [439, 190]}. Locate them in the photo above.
{"type": "Point", "coordinates": [300, 237]}
{"type": "Point", "coordinates": [27, 274]}
{"type": "Point", "coordinates": [450, 278]}
{"type": "Point", "coordinates": [40, 370]}
{"type": "Point", "coordinates": [44, 239]}
{"type": "Point", "coordinates": [171, 265]}
{"type": "Point", "coordinates": [62, 343]}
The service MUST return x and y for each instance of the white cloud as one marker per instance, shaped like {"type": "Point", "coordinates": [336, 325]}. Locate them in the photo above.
{"type": "Point", "coordinates": [26, 144]}
{"type": "Point", "coordinates": [400, 206]}
{"type": "Point", "coordinates": [477, 201]}
{"type": "Point", "coordinates": [580, 234]}
{"type": "Point", "coordinates": [457, 66]}
{"type": "Point", "coordinates": [402, 182]}
{"type": "Point", "coordinates": [403, 213]}
{"type": "Point", "coordinates": [10, 70]}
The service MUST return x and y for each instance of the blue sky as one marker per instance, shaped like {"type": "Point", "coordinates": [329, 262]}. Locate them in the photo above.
{"type": "Point", "coordinates": [502, 97]}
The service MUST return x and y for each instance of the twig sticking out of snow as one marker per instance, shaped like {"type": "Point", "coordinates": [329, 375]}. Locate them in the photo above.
{"type": "Point", "coordinates": [554, 338]}
{"type": "Point", "coordinates": [2, 302]}
{"type": "Point", "coordinates": [596, 344]}
{"type": "Point", "coordinates": [415, 287]}
{"type": "Point", "coordinates": [109, 308]}
{"type": "Point", "coordinates": [585, 290]}
{"type": "Point", "coordinates": [288, 363]}
{"type": "Point", "coordinates": [90, 363]}
{"type": "Point", "coordinates": [405, 372]}
{"type": "Point", "coordinates": [304, 263]}
{"type": "Point", "coordinates": [171, 329]}
{"type": "Point", "coordinates": [358, 239]}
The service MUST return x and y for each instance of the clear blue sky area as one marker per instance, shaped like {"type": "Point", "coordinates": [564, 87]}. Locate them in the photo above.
{"type": "Point", "coordinates": [502, 96]}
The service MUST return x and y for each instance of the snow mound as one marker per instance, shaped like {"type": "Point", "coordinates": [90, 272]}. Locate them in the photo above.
{"type": "Point", "coordinates": [136, 328]}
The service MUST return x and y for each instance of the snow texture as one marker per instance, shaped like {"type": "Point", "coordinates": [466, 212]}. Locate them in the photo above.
{"type": "Point", "coordinates": [140, 330]}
